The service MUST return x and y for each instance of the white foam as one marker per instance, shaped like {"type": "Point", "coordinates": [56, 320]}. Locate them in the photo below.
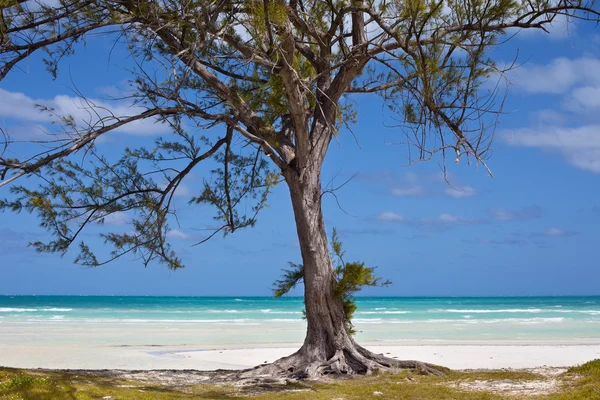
{"type": "Point", "coordinates": [285, 320]}
{"type": "Point", "coordinates": [383, 312]}
{"type": "Point", "coordinates": [47, 309]}
{"type": "Point", "coordinates": [485, 311]}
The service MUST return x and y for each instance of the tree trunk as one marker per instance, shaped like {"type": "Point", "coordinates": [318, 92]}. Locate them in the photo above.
{"type": "Point", "coordinates": [326, 333]}
{"type": "Point", "coordinates": [328, 348]}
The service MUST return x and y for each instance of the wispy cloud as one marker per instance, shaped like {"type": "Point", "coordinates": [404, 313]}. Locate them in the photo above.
{"type": "Point", "coordinates": [118, 218]}
{"type": "Point", "coordinates": [579, 146]}
{"type": "Point", "coordinates": [505, 242]}
{"type": "Point", "coordinates": [450, 219]}
{"type": "Point", "coordinates": [408, 191]}
{"type": "Point", "coordinates": [523, 214]}
{"type": "Point", "coordinates": [556, 77]}
{"type": "Point", "coordinates": [461, 191]}
{"type": "Point", "coordinates": [366, 231]}
{"type": "Point", "coordinates": [443, 221]}
{"type": "Point", "coordinates": [555, 232]}
{"type": "Point", "coordinates": [388, 216]}
{"type": "Point", "coordinates": [22, 108]}
{"type": "Point", "coordinates": [412, 184]}
{"type": "Point", "coordinates": [577, 82]}
{"type": "Point", "coordinates": [176, 234]}
{"type": "Point", "coordinates": [561, 28]}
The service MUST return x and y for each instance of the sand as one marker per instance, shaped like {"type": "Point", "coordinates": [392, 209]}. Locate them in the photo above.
{"type": "Point", "coordinates": [462, 356]}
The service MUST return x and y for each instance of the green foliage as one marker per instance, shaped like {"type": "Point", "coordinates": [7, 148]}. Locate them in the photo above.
{"type": "Point", "coordinates": [291, 277]}
{"type": "Point", "coordinates": [350, 277]}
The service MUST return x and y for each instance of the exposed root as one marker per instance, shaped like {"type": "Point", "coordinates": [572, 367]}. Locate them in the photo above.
{"type": "Point", "coordinates": [350, 361]}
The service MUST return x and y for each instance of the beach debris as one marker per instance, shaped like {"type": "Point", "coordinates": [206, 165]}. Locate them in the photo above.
{"type": "Point", "coordinates": [377, 393]}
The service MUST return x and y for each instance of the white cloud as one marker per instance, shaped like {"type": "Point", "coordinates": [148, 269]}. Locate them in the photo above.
{"type": "Point", "coordinates": [558, 76]}
{"type": "Point", "coordinates": [584, 99]}
{"type": "Point", "coordinates": [412, 184]}
{"type": "Point", "coordinates": [410, 191]}
{"type": "Point", "coordinates": [18, 106]}
{"type": "Point", "coordinates": [176, 234]}
{"type": "Point", "coordinates": [450, 219]}
{"type": "Point", "coordinates": [388, 216]}
{"type": "Point", "coordinates": [523, 214]}
{"type": "Point", "coordinates": [580, 146]}
{"type": "Point", "coordinates": [116, 219]}
{"type": "Point", "coordinates": [460, 192]}
{"type": "Point", "coordinates": [555, 232]}
{"type": "Point", "coordinates": [442, 222]}
{"type": "Point", "coordinates": [183, 191]}
{"type": "Point", "coordinates": [561, 28]}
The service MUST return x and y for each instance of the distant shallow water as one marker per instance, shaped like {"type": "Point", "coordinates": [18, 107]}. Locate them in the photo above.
{"type": "Point", "coordinates": [205, 321]}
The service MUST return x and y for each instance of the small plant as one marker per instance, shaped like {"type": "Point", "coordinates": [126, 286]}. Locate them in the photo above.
{"type": "Point", "coordinates": [21, 381]}
{"type": "Point", "coordinates": [350, 277]}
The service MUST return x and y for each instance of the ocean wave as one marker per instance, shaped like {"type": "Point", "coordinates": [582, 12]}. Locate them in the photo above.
{"type": "Point", "coordinates": [380, 321]}
{"type": "Point", "coordinates": [465, 322]}
{"type": "Point", "coordinates": [285, 320]}
{"type": "Point", "coordinates": [383, 312]}
{"type": "Point", "coordinates": [280, 312]}
{"type": "Point", "coordinates": [591, 312]}
{"type": "Point", "coordinates": [486, 311]}
{"type": "Point", "coordinates": [46, 309]}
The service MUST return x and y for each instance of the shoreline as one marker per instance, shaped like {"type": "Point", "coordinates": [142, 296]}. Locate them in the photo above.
{"type": "Point", "coordinates": [204, 358]}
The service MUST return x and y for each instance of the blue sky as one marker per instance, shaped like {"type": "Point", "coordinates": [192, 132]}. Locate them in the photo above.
{"type": "Point", "coordinates": [531, 230]}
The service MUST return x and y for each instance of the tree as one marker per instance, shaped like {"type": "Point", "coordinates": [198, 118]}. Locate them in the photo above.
{"type": "Point", "coordinates": [279, 76]}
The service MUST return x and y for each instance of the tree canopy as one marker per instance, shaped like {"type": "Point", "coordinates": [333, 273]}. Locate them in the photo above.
{"type": "Point", "coordinates": [279, 75]}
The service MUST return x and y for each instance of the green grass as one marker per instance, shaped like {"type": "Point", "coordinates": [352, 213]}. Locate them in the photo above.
{"type": "Point", "coordinates": [578, 383]}
{"type": "Point", "coordinates": [581, 382]}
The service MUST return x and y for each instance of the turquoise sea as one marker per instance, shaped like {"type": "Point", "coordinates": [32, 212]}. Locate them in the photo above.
{"type": "Point", "coordinates": [268, 320]}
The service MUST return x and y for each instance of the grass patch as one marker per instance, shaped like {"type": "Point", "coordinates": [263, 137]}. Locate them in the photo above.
{"type": "Point", "coordinates": [581, 382]}
{"type": "Point", "coordinates": [590, 368]}
{"type": "Point", "coordinates": [519, 376]}
{"type": "Point", "coordinates": [578, 383]}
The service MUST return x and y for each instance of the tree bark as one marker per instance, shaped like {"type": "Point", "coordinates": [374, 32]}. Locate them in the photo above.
{"type": "Point", "coordinates": [328, 347]}
{"type": "Point", "coordinates": [325, 318]}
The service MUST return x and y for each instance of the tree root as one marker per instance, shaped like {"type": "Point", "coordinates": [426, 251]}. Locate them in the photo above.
{"type": "Point", "coordinates": [349, 361]}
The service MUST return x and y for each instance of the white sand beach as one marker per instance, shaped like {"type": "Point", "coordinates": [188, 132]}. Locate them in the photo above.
{"type": "Point", "coordinates": [145, 358]}
{"type": "Point", "coordinates": [59, 344]}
